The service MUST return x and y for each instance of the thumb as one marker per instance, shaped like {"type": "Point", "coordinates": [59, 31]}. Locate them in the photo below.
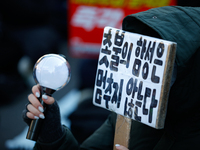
{"type": "Point", "coordinates": [120, 147]}
{"type": "Point", "coordinates": [48, 99]}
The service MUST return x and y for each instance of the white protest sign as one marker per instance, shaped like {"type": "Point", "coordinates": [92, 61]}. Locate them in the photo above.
{"type": "Point", "coordinates": [133, 76]}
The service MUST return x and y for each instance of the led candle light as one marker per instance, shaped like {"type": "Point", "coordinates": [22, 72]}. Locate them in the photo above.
{"type": "Point", "coordinates": [51, 72]}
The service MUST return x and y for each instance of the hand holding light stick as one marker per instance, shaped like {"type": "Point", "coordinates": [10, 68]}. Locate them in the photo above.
{"type": "Point", "coordinates": [51, 72]}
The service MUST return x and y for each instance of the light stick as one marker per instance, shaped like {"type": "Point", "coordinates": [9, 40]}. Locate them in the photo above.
{"type": "Point", "coordinates": [51, 72]}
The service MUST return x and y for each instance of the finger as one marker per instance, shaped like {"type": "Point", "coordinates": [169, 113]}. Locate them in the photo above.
{"type": "Point", "coordinates": [35, 102]}
{"type": "Point", "coordinates": [120, 147]}
{"type": "Point", "coordinates": [34, 111]}
{"type": "Point", "coordinates": [36, 90]}
{"type": "Point", "coordinates": [31, 116]}
{"type": "Point", "coordinates": [48, 99]}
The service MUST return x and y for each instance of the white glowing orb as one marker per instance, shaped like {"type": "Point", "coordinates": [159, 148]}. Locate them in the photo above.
{"type": "Point", "coordinates": [52, 71]}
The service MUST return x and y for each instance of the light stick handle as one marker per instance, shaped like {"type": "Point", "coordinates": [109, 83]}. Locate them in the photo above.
{"type": "Point", "coordinates": [35, 125]}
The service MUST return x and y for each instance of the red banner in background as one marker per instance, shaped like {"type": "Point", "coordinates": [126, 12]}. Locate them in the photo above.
{"type": "Point", "coordinates": [87, 19]}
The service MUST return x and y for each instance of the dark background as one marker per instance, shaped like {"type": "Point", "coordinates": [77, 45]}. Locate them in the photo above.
{"type": "Point", "coordinates": [32, 29]}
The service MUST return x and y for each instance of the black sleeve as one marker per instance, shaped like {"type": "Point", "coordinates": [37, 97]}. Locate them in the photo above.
{"type": "Point", "coordinates": [102, 138]}
{"type": "Point", "coordinates": [66, 142]}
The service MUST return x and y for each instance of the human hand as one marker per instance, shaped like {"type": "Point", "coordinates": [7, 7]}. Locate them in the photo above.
{"type": "Point", "coordinates": [51, 129]}
{"type": "Point", "coordinates": [120, 147]}
{"type": "Point", "coordinates": [35, 108]}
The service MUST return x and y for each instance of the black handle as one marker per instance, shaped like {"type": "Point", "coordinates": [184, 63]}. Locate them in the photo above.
{"type": "Point", "coordinates": [34, 128]}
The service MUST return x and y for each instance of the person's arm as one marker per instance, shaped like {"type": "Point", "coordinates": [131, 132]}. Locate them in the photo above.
{"type": "Point", "coordinates": [103, 137]}
{"type": "Point", "coordinates": [55, 136]}
{"type": "Point", "coordinates": [67, 141]}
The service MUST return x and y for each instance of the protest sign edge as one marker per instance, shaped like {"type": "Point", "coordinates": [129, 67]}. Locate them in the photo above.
{"type": "Point", "coordinates": [162, 109]}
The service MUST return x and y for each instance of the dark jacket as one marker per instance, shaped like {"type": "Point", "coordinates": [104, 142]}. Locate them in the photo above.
{"type": "Point", "coordinates": [182, 125]}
